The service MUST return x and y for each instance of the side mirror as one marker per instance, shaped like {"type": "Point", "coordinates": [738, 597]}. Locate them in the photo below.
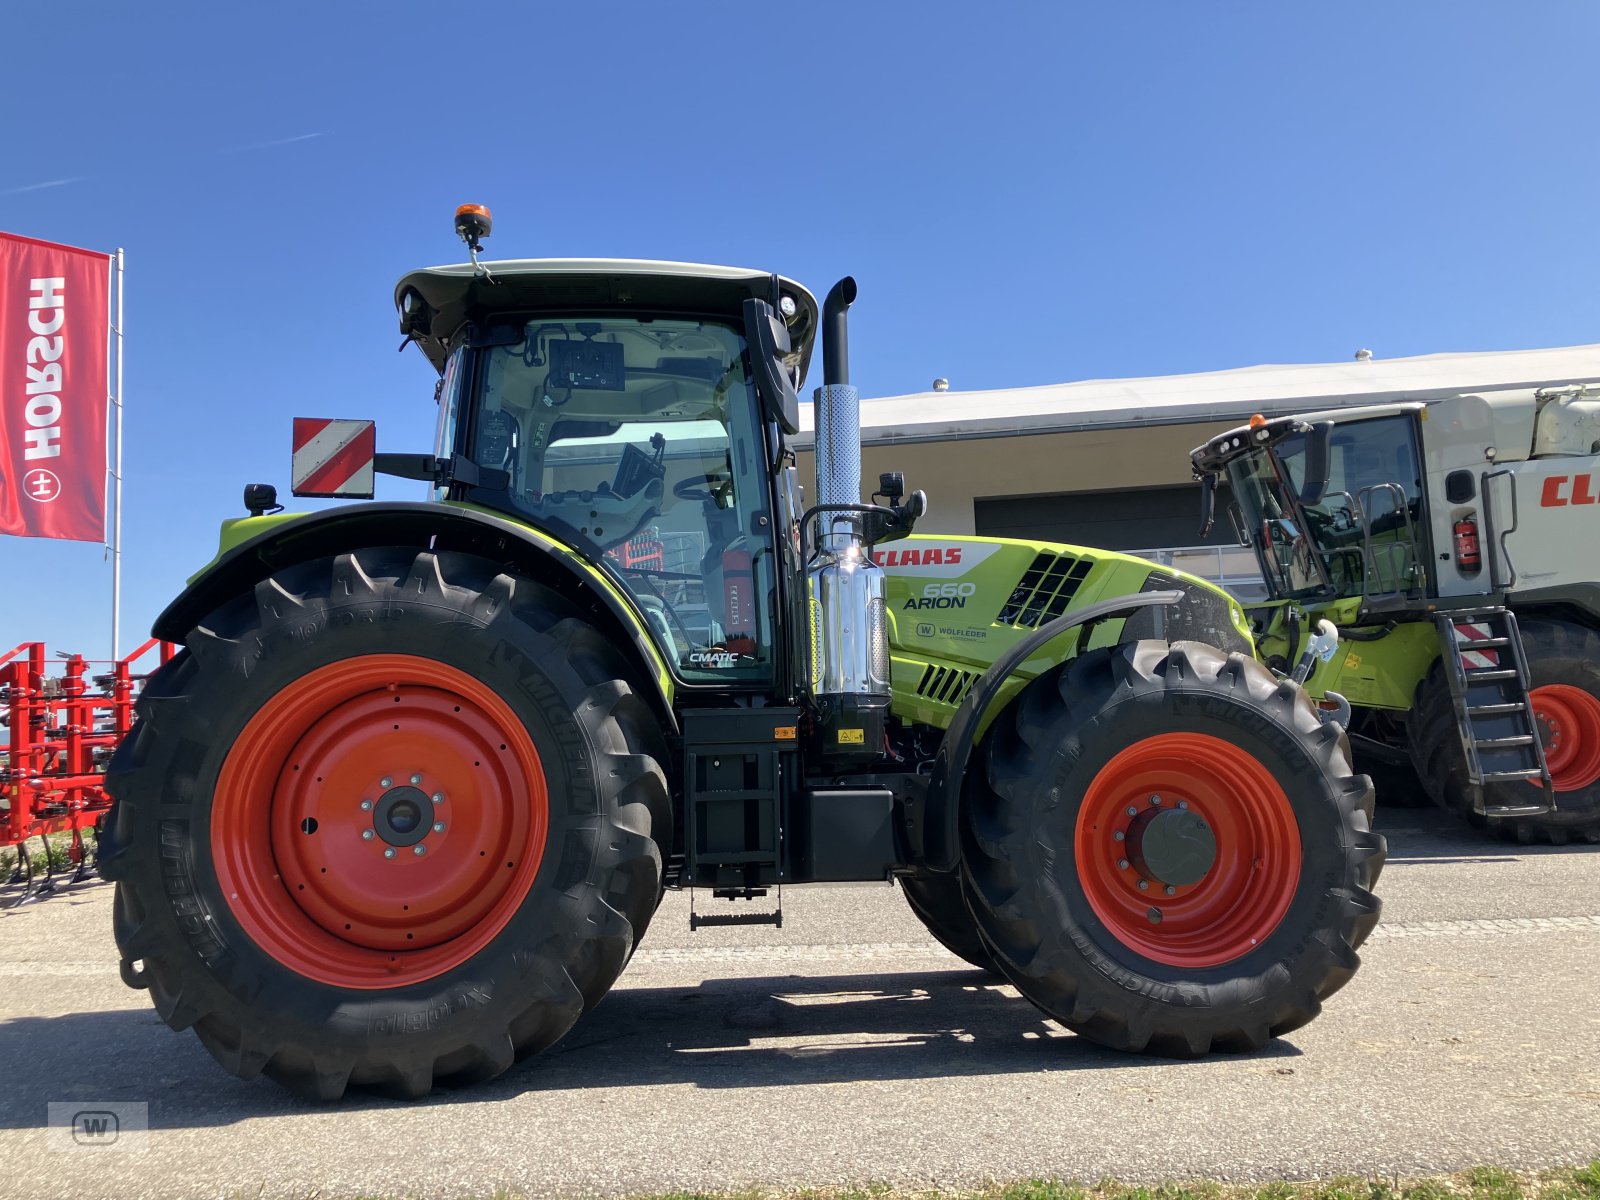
{"type": "Point", "coordinates": [333, 459]}
{"type": "Point", "coordinates": [1315, 484]}
{"type": "Point", "coordinates": [769, 343]}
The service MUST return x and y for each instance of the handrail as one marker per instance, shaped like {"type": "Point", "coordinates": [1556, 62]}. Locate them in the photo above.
{"type": "Point", "coordinates": [1497, 541]}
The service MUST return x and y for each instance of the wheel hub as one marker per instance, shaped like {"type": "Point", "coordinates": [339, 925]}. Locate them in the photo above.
{"type": "Point", "coordinates": [1173, 846]}
{"type": "Point", "coordinates": [403, 816]}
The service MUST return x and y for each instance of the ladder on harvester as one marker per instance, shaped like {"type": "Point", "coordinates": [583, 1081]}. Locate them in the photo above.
{"type": "Point", "coordinates": [1488, 675]}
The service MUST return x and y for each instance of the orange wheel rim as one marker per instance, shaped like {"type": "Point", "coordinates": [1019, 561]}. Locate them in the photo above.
{"type": "Point", "coordinates": [378, 821]}
{"type": "Point", "coordinates": [1187, 850]}
{"type": "Point", "coordinates": [1569, 726]}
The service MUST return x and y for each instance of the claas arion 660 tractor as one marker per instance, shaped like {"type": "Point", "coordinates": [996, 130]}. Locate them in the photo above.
{"type": "Point", "coordinates": [403, 806]}
{"type": "Point", "coordinates": [1456, 546]}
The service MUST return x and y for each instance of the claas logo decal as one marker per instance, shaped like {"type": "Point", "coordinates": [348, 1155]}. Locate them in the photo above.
{"type": "Point", "coordinates": [1562, 490]}
{"type": "Point", "coordinates": [931, 556]}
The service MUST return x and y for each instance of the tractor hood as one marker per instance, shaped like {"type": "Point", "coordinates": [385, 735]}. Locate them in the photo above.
{"type": "Point", "coordinates": [435, 302]}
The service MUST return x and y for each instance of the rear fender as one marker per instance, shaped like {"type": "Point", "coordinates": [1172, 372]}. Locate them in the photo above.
{"type": "Point", "coordinates": [521, 551]}
{"type": "Point", "coordinates": [935, 840]}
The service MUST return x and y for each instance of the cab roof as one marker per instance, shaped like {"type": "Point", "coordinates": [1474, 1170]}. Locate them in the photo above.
{"type": "Point", "coordinates": [436, 302]}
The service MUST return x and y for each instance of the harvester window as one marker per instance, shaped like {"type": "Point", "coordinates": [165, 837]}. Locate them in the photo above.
{"type": "Point", "coordinates": [637, 441]}
{"type": "Point", "coordinates": [1366, 527]}
{"type": "Point", "coordinates": [1363, 537]}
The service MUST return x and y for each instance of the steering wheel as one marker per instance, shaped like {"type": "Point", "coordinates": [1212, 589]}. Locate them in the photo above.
{"type": "Point", "coordinates": [710, 486]}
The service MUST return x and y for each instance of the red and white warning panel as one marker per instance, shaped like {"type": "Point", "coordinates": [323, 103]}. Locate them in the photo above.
{"type": "Point", "coordinates": [333, 458]}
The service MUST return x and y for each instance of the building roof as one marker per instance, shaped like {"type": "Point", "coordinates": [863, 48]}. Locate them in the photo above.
{"type": "Point", "coordinates": [1211, 396]}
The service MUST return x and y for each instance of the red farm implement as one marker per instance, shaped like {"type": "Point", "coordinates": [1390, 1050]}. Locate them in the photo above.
{"type": "Point", "coordinates": [57, 733]}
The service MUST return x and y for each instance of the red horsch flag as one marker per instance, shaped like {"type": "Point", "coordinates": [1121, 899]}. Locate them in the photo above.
{"type": "Point", "coordinates": [54, 330]}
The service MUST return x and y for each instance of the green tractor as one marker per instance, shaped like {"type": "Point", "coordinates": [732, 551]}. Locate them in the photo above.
{"type": "Point", "coordinates": [402, 808]}
{"type": "Point", "coordinates": [1453, 545]}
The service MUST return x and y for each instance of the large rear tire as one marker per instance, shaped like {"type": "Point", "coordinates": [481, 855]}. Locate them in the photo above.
{"type": "Point", "coordinates": [1217, 786]}
{"type": "Point", "coordinates": [391, 821]}
{"type": "Point", "coordinates": [939, 903]}
{"type": "Point", "coordinates": [1564, 686]}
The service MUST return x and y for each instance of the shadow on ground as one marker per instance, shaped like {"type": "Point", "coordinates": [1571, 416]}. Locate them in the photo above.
{"type": "Point", "coordinates": [781, 1031]}
{"type": "Point", "coordinates": [1424, 835]}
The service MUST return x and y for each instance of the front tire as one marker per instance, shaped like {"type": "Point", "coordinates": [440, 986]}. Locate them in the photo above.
{"type": "Point", "coordinates": [1214, 784]}
{"type": "Point", "coordinates": [390, 822]}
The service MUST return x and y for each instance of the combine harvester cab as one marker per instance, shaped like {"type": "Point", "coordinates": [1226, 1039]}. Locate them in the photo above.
{"type": "Point", "coordinates": [403, 807]}
{"type": "Point", "coordinates": [1454, 546]}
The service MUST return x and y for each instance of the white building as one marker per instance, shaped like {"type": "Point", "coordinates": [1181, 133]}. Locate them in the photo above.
{"type": "Point", "coordinates": [1106, 462]}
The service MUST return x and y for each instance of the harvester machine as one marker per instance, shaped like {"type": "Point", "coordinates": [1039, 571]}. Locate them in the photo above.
{"type": "Point", "coordinates": [1455, 545]}
{"type": "Point", "coordinates": [402, 808]}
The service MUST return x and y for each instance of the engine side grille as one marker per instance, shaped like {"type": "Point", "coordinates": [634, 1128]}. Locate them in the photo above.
{"type": "Point", "coordinates": [947, 685]}
{"type": "Point", "coordinates": [1045, 590]}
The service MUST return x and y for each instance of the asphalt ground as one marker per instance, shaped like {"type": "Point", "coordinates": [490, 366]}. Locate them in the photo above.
{"type": "Point", "coordinates": [847, 1048]}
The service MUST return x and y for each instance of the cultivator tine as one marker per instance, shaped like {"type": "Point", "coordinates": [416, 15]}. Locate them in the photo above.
{"type": "Point", "coordinates": [21, 870]}
{"type": "Point", "coordinates": [79, 853]}
{"type": "Point", "coordinates": [18, 880]}
{"type": "Point", "coordinates": [23, 875]}
{"type": "Point", "coordinates": [48, 887]}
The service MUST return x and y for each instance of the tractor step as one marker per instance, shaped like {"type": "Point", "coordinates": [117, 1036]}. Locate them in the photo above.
{"type": "Point", "coordinates": [699, 920]}
{"type": "Point", "coordinates": [1488, 676]}
{"type": "Point", "coordinates": [1515, 810]}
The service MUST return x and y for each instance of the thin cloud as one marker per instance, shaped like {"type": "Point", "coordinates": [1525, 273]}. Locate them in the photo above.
{"type": "Point", "coordinates": [288, 141]}
{"type": "Point", "coordinates": [39, 187]}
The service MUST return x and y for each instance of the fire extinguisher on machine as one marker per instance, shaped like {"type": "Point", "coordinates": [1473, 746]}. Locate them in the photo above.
{"type": "Point", "coordinates": [1469, 560]}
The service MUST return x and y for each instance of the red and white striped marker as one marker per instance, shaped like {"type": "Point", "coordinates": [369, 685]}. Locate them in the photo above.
{"type": "Point", "coordinates": [1472, 659]}
{"type": "Point", "coordinates": [333, 458]}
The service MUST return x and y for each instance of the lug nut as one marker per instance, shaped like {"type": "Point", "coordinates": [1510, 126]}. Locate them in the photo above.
{"type": "Point", "coordinates": [419, 849]}
{"type": "Point", "coordinates": [389, 853]}
{"type": "Point", "coordinates": [438, 827]}
{"type": "Point", "coordinates": [1183, 804]}
{"type": "Point", "coordinates": [416, 779]}
{"type": "Point", "coordinates": [1122, 864]}
{"type": "Point", "coordinates": [1144, 885]}
{"type": "Point", "coordinates": [1171, 891]}
{"type": "Point", "coordinates": [366, 806]}
{"type": "Point", "coordinates": [1118, 836]}
{"type": "Point", "coordinates": [438, 797]}
{"type": "Point", "coordinates": [1132, 811]}
{"type": "Point", "coordinates": [385, 782]}
{"type": "Point", "coordinates": [1156, 800]}
{"type": "Point", "coordinates": [366, 835]}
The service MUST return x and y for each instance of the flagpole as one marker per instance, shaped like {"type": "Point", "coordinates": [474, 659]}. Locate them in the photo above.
{"type": "Point", "coordinates": [116, 481]}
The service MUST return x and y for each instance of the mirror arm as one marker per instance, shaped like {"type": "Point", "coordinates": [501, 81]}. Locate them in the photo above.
{"type": "Point", "coordinates": [441, 472]}
{"type": "Point", "coordinates": [1208, 502]}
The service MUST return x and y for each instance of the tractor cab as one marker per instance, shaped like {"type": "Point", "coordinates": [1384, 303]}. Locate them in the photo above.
{"type": "Point", "coordinates": [1332, 503]}
{"type": "Point", "coordinates": [619, 407]}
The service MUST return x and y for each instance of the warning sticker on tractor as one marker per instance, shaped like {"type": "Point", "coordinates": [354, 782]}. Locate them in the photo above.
{"type": "Point", "coordinates": [852, 737]}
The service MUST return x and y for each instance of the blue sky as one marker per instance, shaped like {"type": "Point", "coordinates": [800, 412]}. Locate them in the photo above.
{"type": "Point", "coordinates": [1027, 193]}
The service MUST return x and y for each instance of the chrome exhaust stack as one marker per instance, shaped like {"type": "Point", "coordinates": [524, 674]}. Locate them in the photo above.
{"type": "Point", "coordinates": [849, 631]}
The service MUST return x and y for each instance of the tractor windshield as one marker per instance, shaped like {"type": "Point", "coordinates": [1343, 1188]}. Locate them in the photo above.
{"type": "Point", "coordinates": [1361, 538]}
{"type": "Point", "coordinates": [637, 440]}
